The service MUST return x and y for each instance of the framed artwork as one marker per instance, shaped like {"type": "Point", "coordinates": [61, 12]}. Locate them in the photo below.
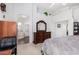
{"type": "Point", "coordinates": [58, 25]}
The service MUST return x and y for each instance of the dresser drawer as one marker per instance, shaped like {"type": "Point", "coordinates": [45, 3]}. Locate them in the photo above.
{"type": "Point", "coordinates": [40, 37]}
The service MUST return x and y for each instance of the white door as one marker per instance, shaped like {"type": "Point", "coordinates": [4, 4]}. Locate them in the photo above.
{"type": "Point", "coordinates": [61, 30]}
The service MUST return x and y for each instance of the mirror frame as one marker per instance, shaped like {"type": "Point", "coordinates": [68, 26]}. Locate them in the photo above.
{"type": "Point", "coordinates": [41, 21]}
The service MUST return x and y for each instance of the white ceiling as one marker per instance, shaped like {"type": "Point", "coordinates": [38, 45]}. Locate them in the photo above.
{"type": "Point", "coordinates": [54, 6]}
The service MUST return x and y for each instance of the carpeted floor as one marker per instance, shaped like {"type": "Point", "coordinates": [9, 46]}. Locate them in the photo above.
{"type": "Point", "coordinates": [23, 40]}
{"type": "Point", "coordinates": [29, 49]}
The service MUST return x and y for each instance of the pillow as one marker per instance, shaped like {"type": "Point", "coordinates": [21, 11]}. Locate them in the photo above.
{"type": "Point", "coordinates": [7, 43]}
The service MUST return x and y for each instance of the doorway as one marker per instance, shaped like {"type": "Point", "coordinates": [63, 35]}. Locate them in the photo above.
{"type": "Point", "coordinates": [61, 29]}
{"type": "Point", "coordinates": [23, 30]}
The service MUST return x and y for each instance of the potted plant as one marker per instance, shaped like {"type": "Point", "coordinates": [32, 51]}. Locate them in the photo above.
{"type": "Point", "coordinates": [46, 13]}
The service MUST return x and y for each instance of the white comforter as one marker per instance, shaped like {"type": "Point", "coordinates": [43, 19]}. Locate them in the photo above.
{"type": "Point", "coordinates": [62, 46]}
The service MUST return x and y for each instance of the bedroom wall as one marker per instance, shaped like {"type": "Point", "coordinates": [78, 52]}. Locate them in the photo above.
{"type": "Point", "coordinates": [1, 15]}
{"type": "Point", "coordinates": [64, 15]}
{"type": "Point", "coordinates": [30, 10]}
{"type": "Point", "coordinates": [40, 16]}
{"type": "Point", "coordinates": [13, 11]}
{"type": "Point", "coordinates": [68, 14]}
{"type": "Point", "coordinates": [44, 18]}
{"type": "Point", "coordinates": [26, 10]}
{"type": "Point", "coordinates": [76, 13]}
{"type": "Point", "coordinates": [9, 14]}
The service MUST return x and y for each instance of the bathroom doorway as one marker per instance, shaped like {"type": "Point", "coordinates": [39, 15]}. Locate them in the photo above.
{"type": "Point", "coordinates": [23, 30]}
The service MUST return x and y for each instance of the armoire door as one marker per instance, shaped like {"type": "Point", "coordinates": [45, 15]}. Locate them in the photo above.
{"type": "Point", "coordinates": [11, 29]}
{"type": "Point", "coordinates": [4, 29]}
{"type": "Point", "coordinates": [1, 31]}
{"type": "Point", "coordinates": [7, 29]}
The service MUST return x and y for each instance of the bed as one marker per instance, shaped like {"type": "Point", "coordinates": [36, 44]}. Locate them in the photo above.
{"type": "Point", "coordinates": [61, 46]}
{"type": "Point", "coordinates": [8, 45]}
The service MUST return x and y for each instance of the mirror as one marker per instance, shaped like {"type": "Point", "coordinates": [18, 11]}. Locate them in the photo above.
{"type": "Point", "coordinates": [41, 26]}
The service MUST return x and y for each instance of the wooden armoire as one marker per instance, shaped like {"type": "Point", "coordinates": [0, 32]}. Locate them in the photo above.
{"type": "Point", "coordinates": [8, 37]}
{"type": "Point", "coordinates": [41, 34]}
{"type": "Point", "coordinates": [7, 29]}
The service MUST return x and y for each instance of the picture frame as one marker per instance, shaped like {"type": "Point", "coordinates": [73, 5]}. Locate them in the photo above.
{"type": "Point", "coordinates": [58, 25]}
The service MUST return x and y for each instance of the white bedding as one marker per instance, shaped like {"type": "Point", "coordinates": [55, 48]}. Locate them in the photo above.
{"type": "Point", "coordinates": [62, 46]}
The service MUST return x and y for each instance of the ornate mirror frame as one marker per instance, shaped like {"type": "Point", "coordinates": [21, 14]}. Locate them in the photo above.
{"type": "Point", "coordinates": [41, 21]}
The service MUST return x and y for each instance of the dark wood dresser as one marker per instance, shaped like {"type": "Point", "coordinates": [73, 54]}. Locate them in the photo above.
{"type": "Point", "coordinates": [41, 33]}
{"type": "Point", "coordinates": [41, 36]}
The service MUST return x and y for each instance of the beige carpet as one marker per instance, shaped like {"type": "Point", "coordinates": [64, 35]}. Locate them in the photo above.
{"type": "Point", "coordinates": [29, 49]}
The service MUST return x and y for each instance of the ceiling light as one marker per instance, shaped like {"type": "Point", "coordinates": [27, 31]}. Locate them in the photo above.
{"type": "Point", "coordinates": [19, 23]}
